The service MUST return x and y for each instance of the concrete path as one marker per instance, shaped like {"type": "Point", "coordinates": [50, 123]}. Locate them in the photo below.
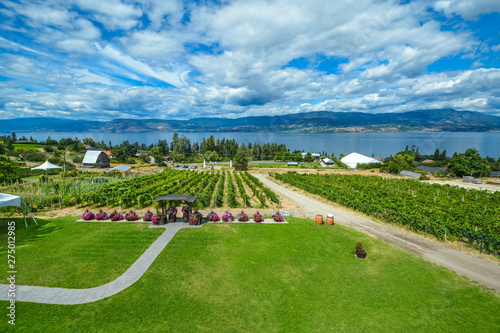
{"type": "Point", "coordinates": [484, 272]}
{"type": "Point", "coordinates": [66, 296]}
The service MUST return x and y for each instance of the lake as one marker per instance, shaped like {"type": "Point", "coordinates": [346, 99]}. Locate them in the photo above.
{"type": "Point", "coordinates": [379, 144]}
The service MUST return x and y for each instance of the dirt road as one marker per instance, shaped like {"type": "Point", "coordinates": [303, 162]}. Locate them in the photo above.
{"type": "Point", "coordinates": [484, 272]}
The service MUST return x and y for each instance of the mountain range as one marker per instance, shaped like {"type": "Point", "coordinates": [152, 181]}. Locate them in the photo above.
{"type": "Point", "coordinates": [444, 120]}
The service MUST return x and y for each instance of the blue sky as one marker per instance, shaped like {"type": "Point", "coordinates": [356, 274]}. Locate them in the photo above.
{"type": "Point", "coordinates": [102, 60]}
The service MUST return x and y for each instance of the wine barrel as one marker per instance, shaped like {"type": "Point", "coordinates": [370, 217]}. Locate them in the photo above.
{"type": "Point", "coordinates": [329, 219]}
{"type": "Point", "coordinates": [319, 219]}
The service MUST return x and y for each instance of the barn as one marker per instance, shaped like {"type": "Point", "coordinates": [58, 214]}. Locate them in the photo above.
{"type": "Point", "coordinates": [98, 157]}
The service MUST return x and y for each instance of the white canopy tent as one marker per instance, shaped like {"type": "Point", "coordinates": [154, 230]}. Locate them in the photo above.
{"type": "Point", "coordinates": [46, 166]}
{"type": "Point", "coordinates": [7, 200]}
{"type": "Point", "coordinates": [353, 159]}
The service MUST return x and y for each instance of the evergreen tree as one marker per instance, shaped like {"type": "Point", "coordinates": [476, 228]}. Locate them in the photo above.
{"type": "Point", "coordinates": [240, 162]}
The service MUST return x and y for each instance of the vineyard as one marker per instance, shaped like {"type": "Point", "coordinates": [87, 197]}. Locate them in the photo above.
{"type": "Point", "coordinates": [213, 189]}
{"type": "Point", "coordinates": [440, 210]}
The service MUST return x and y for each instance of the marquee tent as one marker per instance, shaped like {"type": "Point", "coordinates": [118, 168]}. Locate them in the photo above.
{"type": "Point", "coordinates": [7, 200]}
{"type": "Point", "coordinates": [353, 159]}
{"type": "Point", "coordinates": [46, 166]}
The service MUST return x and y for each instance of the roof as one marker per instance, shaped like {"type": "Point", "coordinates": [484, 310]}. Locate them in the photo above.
{"type": "Point", "coordinates": [9, 200]}
{"type": "Point", "coordinates": [293, 163]}
{"type": "Point", "coordinates": [121, 167]}
{"type": "Point", "coordinates": [46, 166]}
{"type": "Point", "coordinates": [410, 174]}
{"type": "Point", "coordinates": [107, 152]}
{"type": "Point", "coordinates": [427, 161]}
{"type": "Point", "coordinates": [312, 154]}
{"type": "Point", "coordinates": [171, 197]}
{"type": "Point", "coordinates": [430, 169]}
{"type": "Point", "coordinates": [91, 156]}
{"type": "Point", "coordinates": [495, 174]}
{"type": "Point", "coordinates": [353, 159]}
{"type": "Point", "coordinates": [328, 161]}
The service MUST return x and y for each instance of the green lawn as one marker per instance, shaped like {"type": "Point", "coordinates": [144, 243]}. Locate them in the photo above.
{"type": "Point", "coordinates": [298, 277]}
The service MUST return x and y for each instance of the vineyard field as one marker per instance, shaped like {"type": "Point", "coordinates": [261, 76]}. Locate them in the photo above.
{"type": "Point", "coordinates": [439, 210]}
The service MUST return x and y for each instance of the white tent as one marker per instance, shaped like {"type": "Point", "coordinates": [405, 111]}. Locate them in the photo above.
{"type": "Point", "coordinates": [353, 159]}
{"type": "Point", "coordinates": [46, 166]}
{"type": "Point", "coordinates": [7, 200]}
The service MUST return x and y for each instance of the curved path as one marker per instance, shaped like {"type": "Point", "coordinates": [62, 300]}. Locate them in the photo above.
{"type": "Point", "coordinates": [484, 272]}
{"type": "Point", "coordinates": [50, 295]}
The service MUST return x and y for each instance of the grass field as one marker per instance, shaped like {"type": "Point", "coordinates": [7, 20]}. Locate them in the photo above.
{"type": "Point", "coordinates": [298, 277]}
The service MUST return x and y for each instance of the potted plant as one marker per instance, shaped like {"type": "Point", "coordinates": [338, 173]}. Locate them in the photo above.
{"type": "Point", "coordinates": [185, 214]}
{"type": "Point", "coordinates": [116, 216]}
{"type": "Point", "coordinates": [195, 218]}
{"type": "Point", "coordinates": [147, 216]}
{"type": "Point", "coordinates": [131, 216]}
{"type": "Point", "coordinates": [360, 251]}
{"type": "Point", "coordinates": [101, 215]}
{"type": "Point", "coordinates": [227, 217]}
{"type": "Point", "coordinates": [257, 217]}
{"type": "Point", "coordinates": [155, 220]}
{"type": "Point", "coordinates": [242, 217]}
{"type": "Point", "coordinates": [212, 217]}
{"type": "Point", "coordinates": [87, 215]}
{"type": "Point", "coordinates": [172, 213]}
{"type": "Point", "coordinates": [278, 217]}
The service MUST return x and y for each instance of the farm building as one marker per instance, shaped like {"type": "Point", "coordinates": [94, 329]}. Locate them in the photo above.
{"type": "Point", "coordinates": [316, 156]}
{"type": "Point", "coordinates": [409, 174]}
{"type": "Point", "coordinates": [96, 157]}
{"type": "Point", "coordinates": [495, 174]}
{"type": "Point", "coordinates": [431, 169]}
{"type": "Point", "coordinates": [353, 159]}
{"type": "Point", "coordinates": [292, 164]}
{"type": "Point", "coordinates": [327, 162]}
{"type": "Point", "coordinates": [124, 169]}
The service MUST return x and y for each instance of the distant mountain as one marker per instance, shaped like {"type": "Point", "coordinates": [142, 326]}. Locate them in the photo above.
{"type": "Point", "coordinates": [446, 120]}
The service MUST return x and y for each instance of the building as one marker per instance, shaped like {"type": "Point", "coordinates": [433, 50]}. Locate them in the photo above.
{"type": "Point", "coordinates": [327, 162]}
{"type": "Point", "coordinates": [316, 156]}
{"type": "Point", "coordinates": [431, 169]}
{"type": "Point", "coordinates": [98, 157]}
{"type": "Point", "coordinates": [292, 164]}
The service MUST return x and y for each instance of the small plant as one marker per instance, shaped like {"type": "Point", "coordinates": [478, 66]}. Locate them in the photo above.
{"type": "Point", "coordinates": [147, 216]}
{"type": "Point", "coordinates": [257, 217]}
{"type": "Point", "coordinates": [172, 210]}
{"type": "Point", "coordinates": [155, 219]}
{"type": "Point", "coordinates": [185, 209]}
{"type": "Point", "coordinates": [88, 215]}
{"type": "Point", "coordinates": [227, 217]}
{"type": "Point", "coordinates": [213, 217]}
{"type": "Point", "coordinates": [278, 217]}
{"type": "Point", "coordinates": [131, 216]}
{"type": "Point", "coordinates": [116, 216]}
{"type": "Point", "coordinates": [360, 250]}
{"type": "Point", "coordinates": [242, 217]}
{"type": "Point", "coordinates": [102, 215]}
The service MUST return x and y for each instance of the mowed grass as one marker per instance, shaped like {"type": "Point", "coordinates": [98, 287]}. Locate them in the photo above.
{"type": "Point", "coordinates": [64, 253]}
{"type": "Point", "coordinates": [296, 277]}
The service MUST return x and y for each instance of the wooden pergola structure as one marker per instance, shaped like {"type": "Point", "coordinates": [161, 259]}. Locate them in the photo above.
{"type": "Point", "coordinates": [174, 197]}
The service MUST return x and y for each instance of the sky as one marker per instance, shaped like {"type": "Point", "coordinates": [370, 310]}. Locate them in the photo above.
{"type": "Point", "coordinates": [170, 59]}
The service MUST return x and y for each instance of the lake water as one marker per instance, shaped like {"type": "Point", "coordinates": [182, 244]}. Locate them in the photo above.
{"type": "Point", "coordinates": [379, 144]}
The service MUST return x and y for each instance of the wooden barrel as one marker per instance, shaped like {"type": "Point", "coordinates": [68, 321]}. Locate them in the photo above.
{"type": "Point", "coordinates": [319, 219]}
{"type": "Point", "coordinates": [329, 219]}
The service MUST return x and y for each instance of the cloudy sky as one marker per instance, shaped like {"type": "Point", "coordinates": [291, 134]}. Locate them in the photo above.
{"type": "Point", "coordinates": [106, 59]}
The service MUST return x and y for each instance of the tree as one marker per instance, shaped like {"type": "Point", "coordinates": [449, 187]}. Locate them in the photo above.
{"type": "Point", "coordinates": [402, 161]}
{"type": "Point", "coordinates": [469, 163]}
{"type": "Point", "coordinates": [240, 162]}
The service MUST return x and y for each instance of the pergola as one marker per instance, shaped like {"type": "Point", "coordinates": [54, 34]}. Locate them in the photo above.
{"type": "Point", "coordinates": [173, 197]}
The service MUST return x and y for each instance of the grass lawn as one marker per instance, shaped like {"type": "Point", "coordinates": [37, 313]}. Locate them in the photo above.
{"type": "Point", "coordinates": [298, 277]}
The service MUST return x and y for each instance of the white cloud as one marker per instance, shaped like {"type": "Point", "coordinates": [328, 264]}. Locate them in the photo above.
{"type": "Point", "coordinates": [113, 14]}
{"type": "Point", "coordinates": [468, 9]}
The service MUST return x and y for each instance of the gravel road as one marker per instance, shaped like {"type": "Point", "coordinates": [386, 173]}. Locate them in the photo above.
{"type": "Point", "coordinates": [484, 272]}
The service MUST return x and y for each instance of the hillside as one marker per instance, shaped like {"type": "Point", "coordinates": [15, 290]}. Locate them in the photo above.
{"type": "Point", "coordinates": [446, 120]}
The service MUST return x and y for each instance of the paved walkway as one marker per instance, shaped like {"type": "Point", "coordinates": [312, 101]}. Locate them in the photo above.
{"type": "Point", "coordinates": [67, 296]}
